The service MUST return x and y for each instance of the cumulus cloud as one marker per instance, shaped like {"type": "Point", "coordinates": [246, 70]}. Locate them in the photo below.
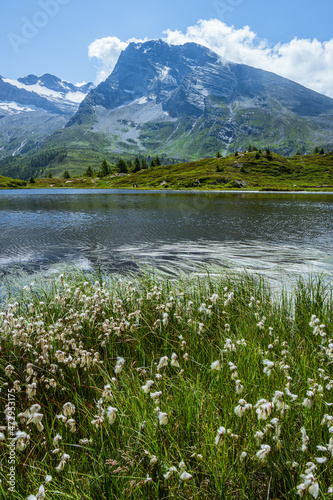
{"type": "Point", "coordinates": [308, 62]}
{"type": "Point", "coordinates": [107, 51]}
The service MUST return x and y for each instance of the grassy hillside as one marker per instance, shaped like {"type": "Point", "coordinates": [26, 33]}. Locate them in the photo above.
{"type": "Point", "coordinates": [54, 162]}
{"type": "Point", "coordinates": [9, 183]}
{"type": "Point", "coordinates": [251, 170]}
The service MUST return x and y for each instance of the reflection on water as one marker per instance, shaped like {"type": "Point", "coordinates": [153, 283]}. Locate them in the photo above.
{"type": "Point", "coordinates": [276, 234]}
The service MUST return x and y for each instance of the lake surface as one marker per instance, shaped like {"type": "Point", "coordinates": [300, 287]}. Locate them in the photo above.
{"type": "Point", "coordinates": [273, 233]}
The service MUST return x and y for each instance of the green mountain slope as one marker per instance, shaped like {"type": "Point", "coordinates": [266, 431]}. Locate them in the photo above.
{"type": "Point", "coordinates": [9, 183]}
{"type": "Point", "coordinates": [247, 171]}
{"type": "Point", "coordinates": [257, 170]}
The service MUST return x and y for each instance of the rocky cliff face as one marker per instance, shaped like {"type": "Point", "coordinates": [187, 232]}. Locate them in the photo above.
{"type": "Point", "coordinates": [184, 100]}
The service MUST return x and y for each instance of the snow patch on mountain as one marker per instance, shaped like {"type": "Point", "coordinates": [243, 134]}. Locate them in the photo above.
{"type": "Point", "coordinates": [53, 95]}
{"type": "Point", "coordinates": [14, 108]}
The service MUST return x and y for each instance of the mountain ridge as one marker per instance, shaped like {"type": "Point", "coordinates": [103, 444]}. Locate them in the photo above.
{"type": "Point", "coordinates": [32, 108]}
{"type": "Point", "coordinates": [181, 101]}
{"type": "Point", "coordinates": [195, 102]}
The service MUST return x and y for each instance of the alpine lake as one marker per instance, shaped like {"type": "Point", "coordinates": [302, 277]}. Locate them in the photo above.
{"type": "Point", "coordinates": [279, 235]}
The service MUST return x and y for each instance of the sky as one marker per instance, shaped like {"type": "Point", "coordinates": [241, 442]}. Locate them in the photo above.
{"type": "Point", "coordinates": [80, 40]}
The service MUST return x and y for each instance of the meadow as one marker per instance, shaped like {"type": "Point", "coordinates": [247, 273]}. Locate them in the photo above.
{"type": "Point", "coordinates": [145, 387]}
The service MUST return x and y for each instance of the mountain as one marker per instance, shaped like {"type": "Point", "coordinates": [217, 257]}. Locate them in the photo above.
{"type": "Point", "coordinates": [183, 100]}
{"type": "Point", "coordinates": [31, 108]}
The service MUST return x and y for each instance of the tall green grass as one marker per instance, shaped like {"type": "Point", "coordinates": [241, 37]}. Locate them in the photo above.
{"type": "Point", "coordinates": [210, 347]}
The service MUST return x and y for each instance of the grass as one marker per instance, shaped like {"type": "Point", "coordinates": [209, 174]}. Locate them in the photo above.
{"type": "Point", "coordinates": [238, 400]}
{"type": "Point", "coordinates": [9, 183]}
{"type": "Point", "coordinates": [244, 171]}
{"type": "Point", "coordinates": [247, 171]}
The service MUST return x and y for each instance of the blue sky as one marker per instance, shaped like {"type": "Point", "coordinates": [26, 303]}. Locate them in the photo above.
{"type": "Point", "coordinates": [39, 36]}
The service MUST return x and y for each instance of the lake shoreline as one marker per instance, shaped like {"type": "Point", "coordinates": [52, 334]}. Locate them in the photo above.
{"type": "Point", "coordinates": [170, 190]}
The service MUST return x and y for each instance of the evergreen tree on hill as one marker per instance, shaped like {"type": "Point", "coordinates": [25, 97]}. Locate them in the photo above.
{"type": "Point", "coordinates": [121, 165]}
{"type": "Point", "coordinates": [144, 164]}
{"type": "Point", "coordinates": [105, 170]}
{"type": "Point", "coordinates": [89, 172]}
{"type": "Point", "coordinates": [137, 165]}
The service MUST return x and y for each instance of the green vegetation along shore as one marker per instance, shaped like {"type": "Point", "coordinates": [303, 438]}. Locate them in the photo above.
{"type": "Point", "coordinates": [8, 183]}
{"type": "Point", "coordinates": [254, 170]}
{"type": "Point", "coordinates": [146, 388]}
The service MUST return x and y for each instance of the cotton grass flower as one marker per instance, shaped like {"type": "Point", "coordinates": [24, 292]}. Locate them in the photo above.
{"type": "Point", "coordinates": [147, 386]}
{"type": "Point", "coordinates": [107, 393]}
{"type": "Point", "coordinates": [22, 439]}
{"type": "Point", "coordinates": [309, 484]}
{"type": "Point", "coordinates": [259, 436]}
{"type": "Point", "coordinates": [111, 414]}
{"type": "Point", "coordinates": [40, 494]}
{"type": "Point", "coordinates": [220, 432]}
{"type": "Point", "coordinates": [68, 409]}
{"type": "Point", "coordinates": [34, 409]}
{"type": "Point", "coordinates": [31, 390]}
{"type": "Point", "coordinates": [308, 402]}
{"type": "Point", "coordinates": [185, 476]}
{"type": "Point", "coordinates": [264, 409]}
{"type": "Point", "coordinates": [71, 424]}
{"type": "Point", "coordinates": [214, 298]}
{"type": "Point", "coordinates": [36, 419]}
{"type": "Point", "coordinates": [156, 396]}
{"type": "Point", "coordinates": [163, 418]}
{"type": "Point", "coordinates": [216, 365]}
{"type": "Point", "coordinates": [163, 362]}
{"type": "Point", "coordinates": [174, 361]}
{"type": "Point", "coordinates": [305, 440]}
{"type": "Point", "coordinates": [239, 387]}
{"type": "Point", "coordinates": [9, 370]}
{"type": "Point", "coordinates": [230, 298]}
{"type": "Point", "coordinates": [119, 365]}
{"type": "Point", "coordinates": [268, 366]}
{"type": "Point", "coordinates": [233, 369]}
{"type": "Point", "coordinates": [98, 422]}
{"type": "Point", "coordinates": [57, 438]}
{"type": "Point", "coordinates": [64, 459]}
{"type": "Point", "coordinates": [263, 452]}
{"type": "Point", "coordinates": [165, 319]}
{"type": "Point", "coordinates": [242, 407]}
{"type": "Point", "coordinates": [170, 471]}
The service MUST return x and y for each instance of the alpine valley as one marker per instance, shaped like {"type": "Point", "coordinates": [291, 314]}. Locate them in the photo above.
{"type": "Point", "coordinates": [181, 101]}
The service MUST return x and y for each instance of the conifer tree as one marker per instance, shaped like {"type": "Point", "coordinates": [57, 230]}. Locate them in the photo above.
{"type": "Point", "coordinates": [89, 172]}
{"type": "Point", "coordinates": [121, 165]}
{"type": "Point", "coordinates": [137, 165]}
{"type": "Point", "coordinates": [105, 169]}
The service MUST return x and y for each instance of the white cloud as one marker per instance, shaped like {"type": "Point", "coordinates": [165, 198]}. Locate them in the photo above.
{"type": "Point", "coordinates": [308, 62]}
{"type": "Point", "coordinates": [107, 51]}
